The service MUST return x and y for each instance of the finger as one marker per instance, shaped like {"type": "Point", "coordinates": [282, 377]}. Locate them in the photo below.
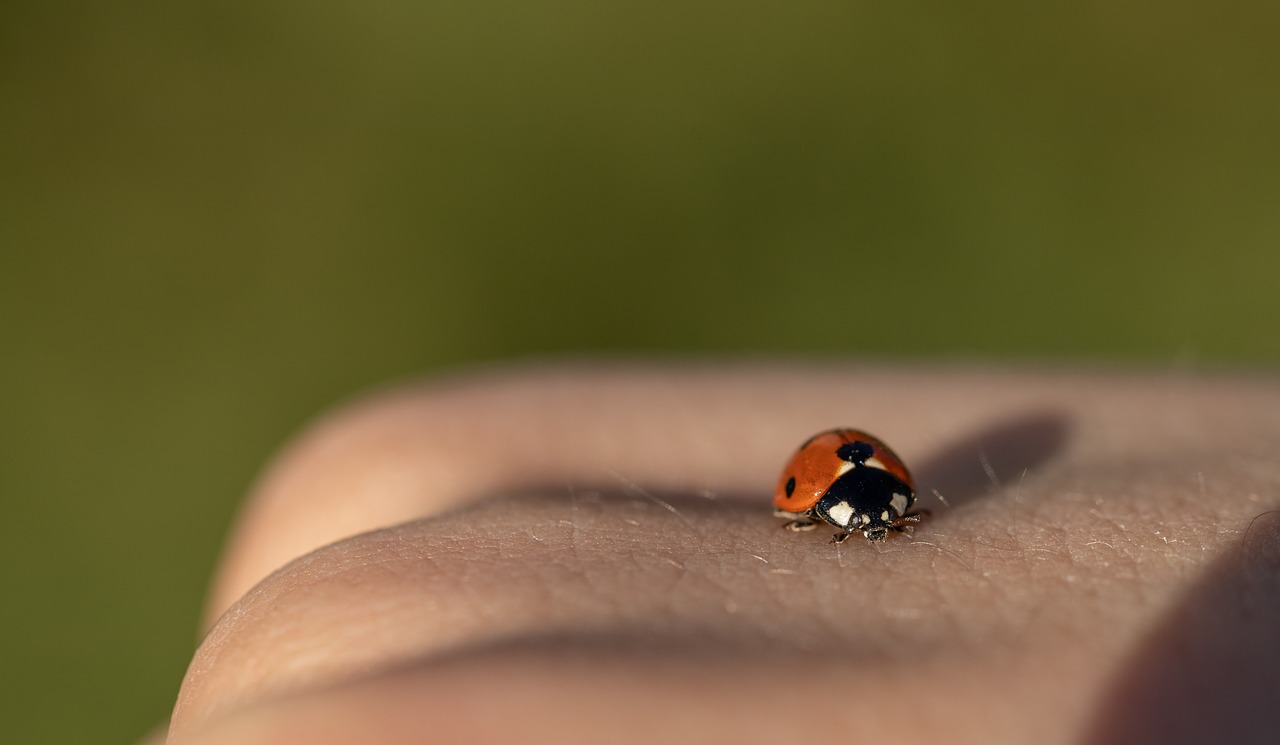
{"type": "Point", "coordinates": [537, 576]}
{"type": "Point", "coordinates": [417, 451]}
{"type": "Point", "coordinates": [985, 572]}
{"type": "Point", "coordinates": [555, 694]}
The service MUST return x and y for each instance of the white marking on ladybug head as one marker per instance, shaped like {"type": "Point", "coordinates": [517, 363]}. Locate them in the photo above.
{"type": "Point", "coordinates": [875, 462]}
{"type": "Point", "coordinates": [845, 467]}
{"type": "Point", "coordinates": [884, 516]}
{"type": "Point", "coordinates": [841, 513]}
{"type": "Point", "coordinates": [899, 504]}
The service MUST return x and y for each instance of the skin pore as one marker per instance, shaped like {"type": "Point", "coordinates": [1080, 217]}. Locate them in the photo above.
{"type": "Point", "coordinates": [588, 553]}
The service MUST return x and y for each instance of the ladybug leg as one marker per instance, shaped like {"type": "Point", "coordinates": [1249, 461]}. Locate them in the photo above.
{"type": "Point", "coordinates": [907, 523]}
{"type": "Point", "coordinates": [798, 520]}
{"type": "Point", "coordinates": [839, 538]}
{"type": "Point", "coordinates": [799, 525]}
{"type": "Point", "coordinates": [916, 517]}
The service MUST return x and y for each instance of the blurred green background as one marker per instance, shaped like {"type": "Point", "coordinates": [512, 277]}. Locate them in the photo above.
{"type": "Point", "coordinates": [217, 218]}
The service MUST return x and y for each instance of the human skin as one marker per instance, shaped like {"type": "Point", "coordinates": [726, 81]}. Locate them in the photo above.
{"type": "Point", "coordinates": [586, 553]}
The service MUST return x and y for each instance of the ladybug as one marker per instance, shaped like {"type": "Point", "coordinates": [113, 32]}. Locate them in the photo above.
{"type": "Point", "coordinates": [850, 479]}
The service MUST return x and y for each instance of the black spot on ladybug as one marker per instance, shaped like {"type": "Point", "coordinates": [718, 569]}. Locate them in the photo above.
{"type": "Point", "coordinates": [855, 452]}
{"type": "Point", "coordinates": [791, 485]}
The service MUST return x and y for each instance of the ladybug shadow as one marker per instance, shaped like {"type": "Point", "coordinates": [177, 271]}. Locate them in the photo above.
{"type": "Point", "coordinates": [965, 471]}
{"type": "Point", "coordinates": [984, 462]}
{"type": "Point", "coordinates": [1210, 670]}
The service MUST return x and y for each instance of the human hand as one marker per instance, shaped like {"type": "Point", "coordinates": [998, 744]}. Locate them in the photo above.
{"type": "Point", "coordinates": [588, 554]}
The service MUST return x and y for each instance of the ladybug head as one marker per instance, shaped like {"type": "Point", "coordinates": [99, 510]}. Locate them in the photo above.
{"type": "Point", "coordinates": [874, 522]}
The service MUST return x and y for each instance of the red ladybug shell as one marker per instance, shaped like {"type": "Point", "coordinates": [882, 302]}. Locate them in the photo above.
{"type": "Point", "coordinates": [815, 466]}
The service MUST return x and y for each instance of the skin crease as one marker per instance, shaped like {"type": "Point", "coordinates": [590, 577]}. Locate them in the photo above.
{"type": "Point", "coordinates": [587, 552]}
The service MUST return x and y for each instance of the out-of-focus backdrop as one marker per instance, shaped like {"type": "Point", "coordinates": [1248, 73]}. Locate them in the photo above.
{"type": "Point", "coordinates": [217, 218]}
